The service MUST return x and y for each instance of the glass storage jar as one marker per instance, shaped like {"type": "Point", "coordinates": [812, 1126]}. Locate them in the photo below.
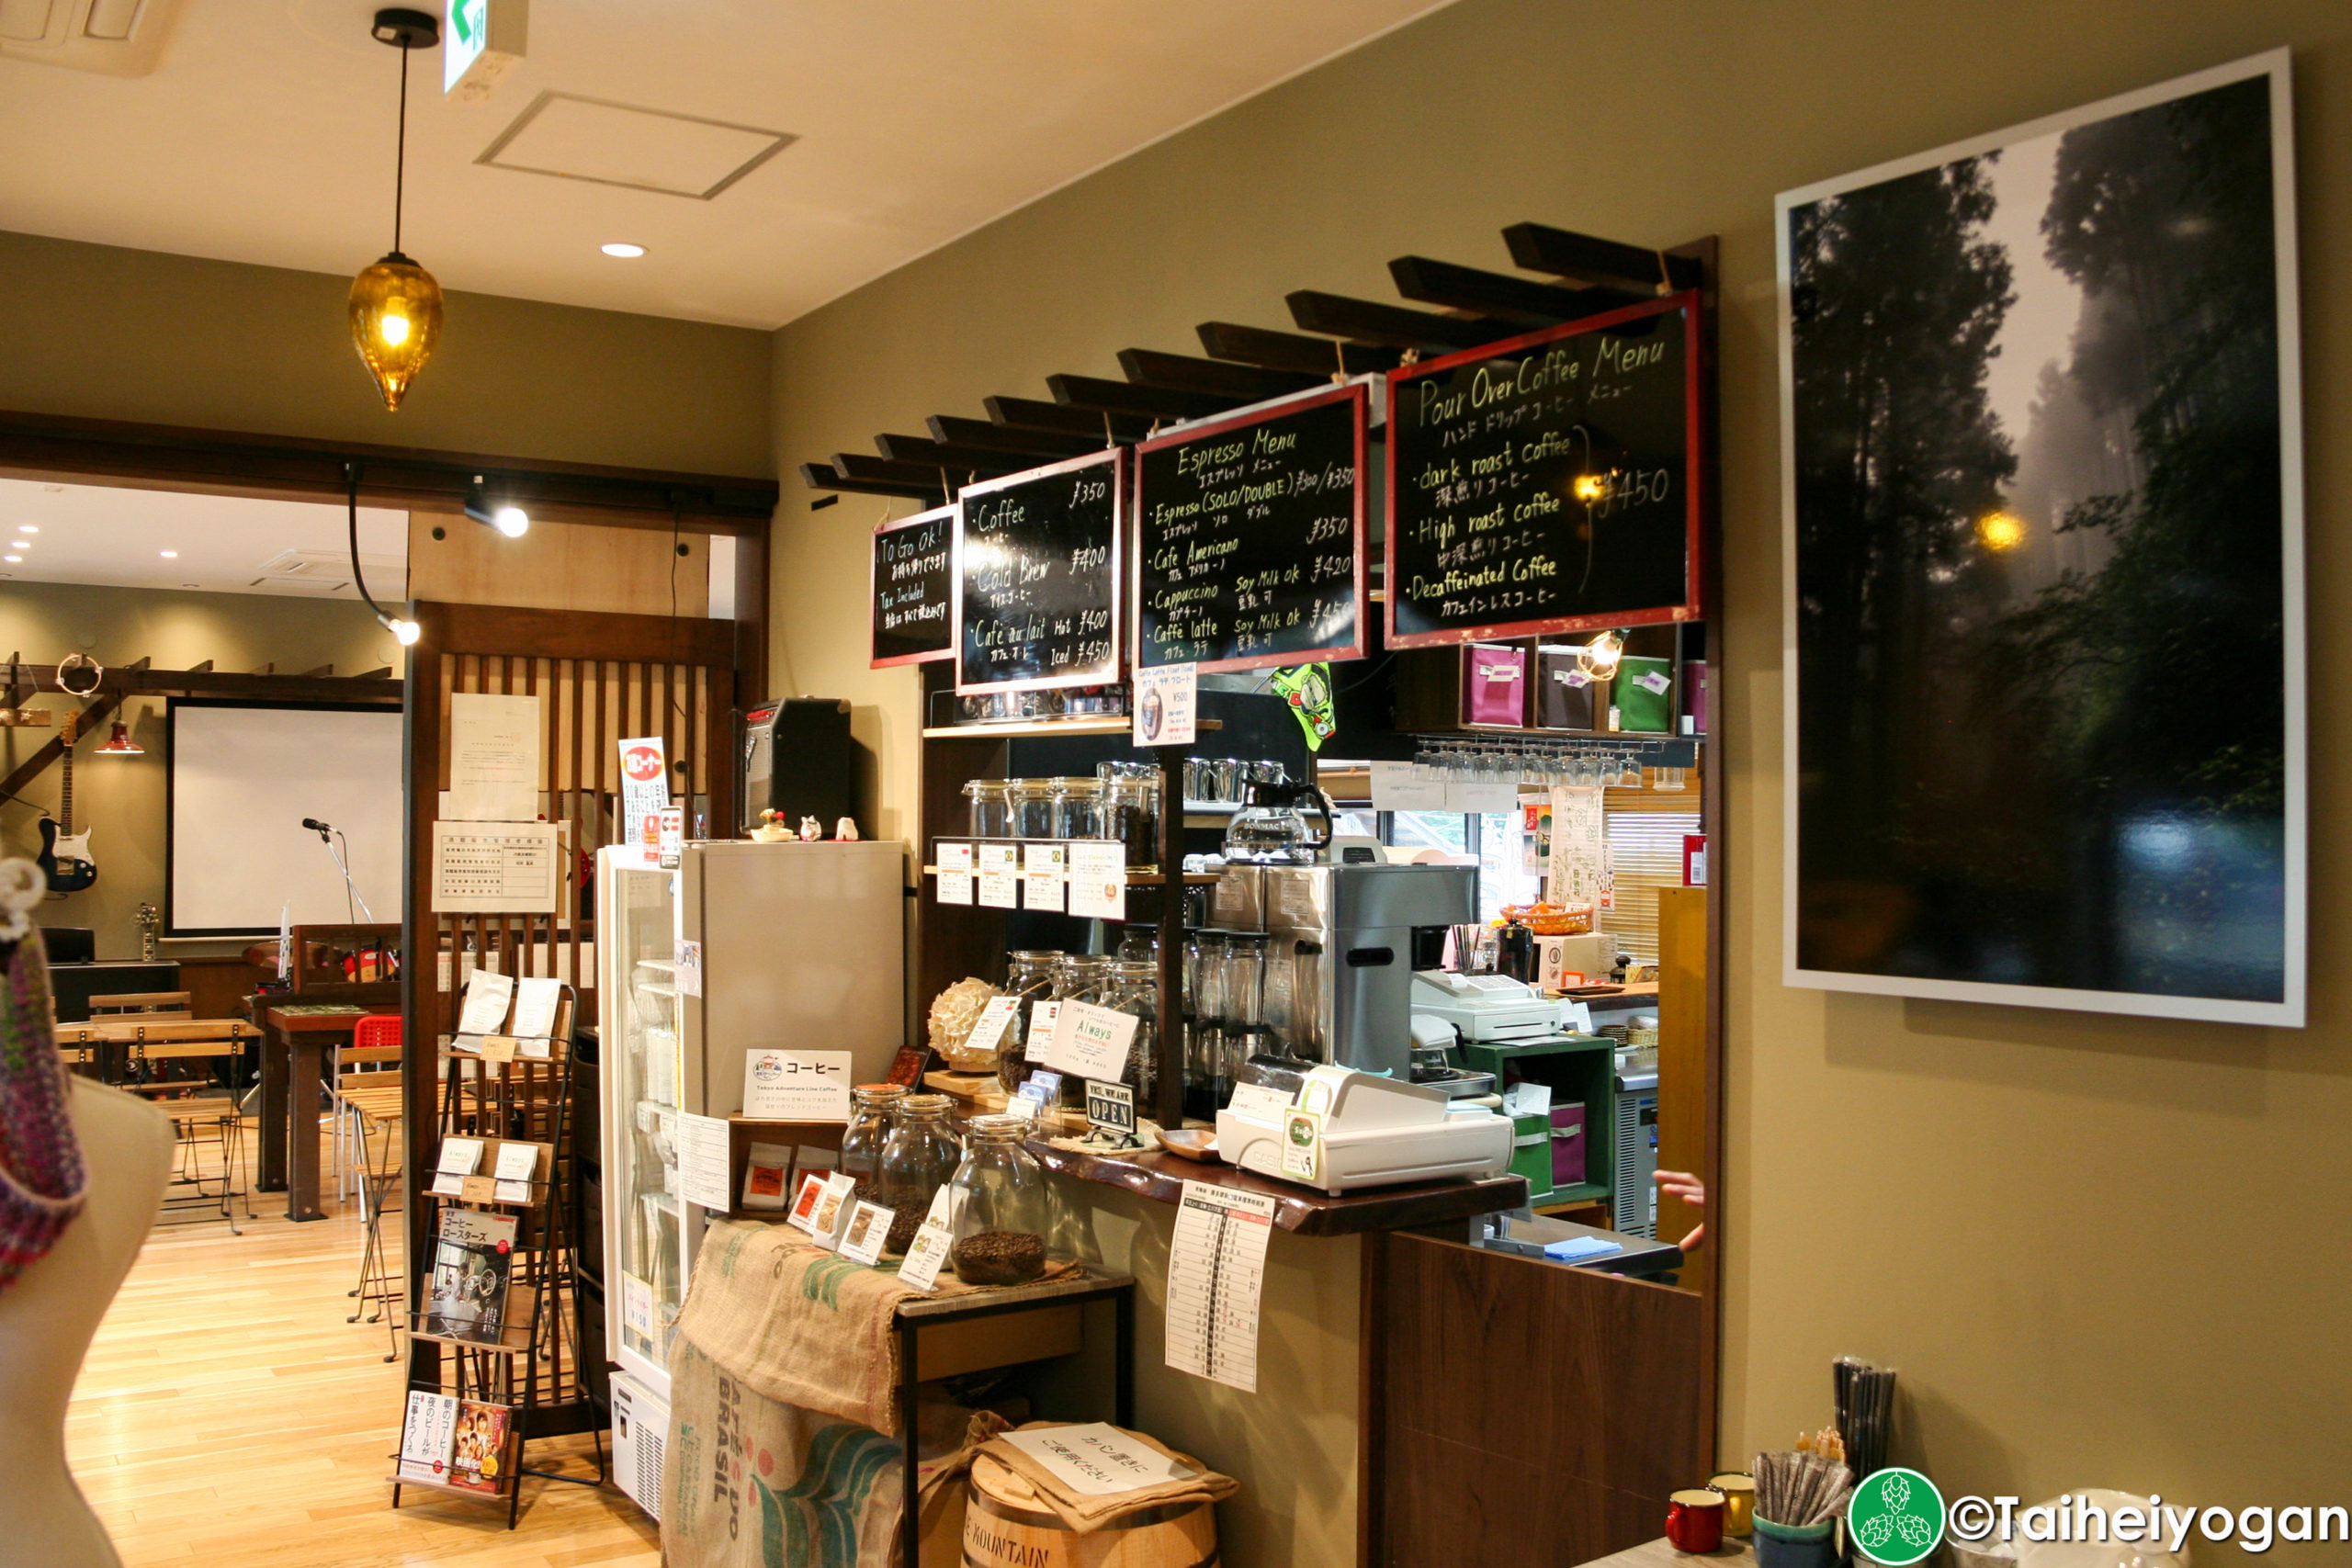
{"type": "Point", "coordinates": [1029, 979]}
{"type": "Point", "coordinates": [872, 1108]}
{"type": "Point", "coordinates": [1078, 977]}
{"type": "Point", "coordinates": [1134, 988]}
{"type": "Point", "coordinates": [989, 810]}
{"type": "Point", "coordinates": [1081, 807]}
{"type": "Point", "coordinates": [919, 1154]}
{"type": "Point", "coordinates": [1004, 1208]}
{"type": "Point", "coordinates": [1246, 1034]}
{"type": "Point", "coordinates": [1131, 815]}
{"type": "Point", "coordinates": [1036, 807]}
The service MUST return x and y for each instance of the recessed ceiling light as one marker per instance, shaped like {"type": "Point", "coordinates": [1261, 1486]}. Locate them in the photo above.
{"type": "Point", "coordinates": [171, 555]}
{"type": "Point", "coordinates": [623, 250]}
{"type": "Point", "coordinates": [11, 560]}
{"type": "Point", "coordinates": [28, 528]}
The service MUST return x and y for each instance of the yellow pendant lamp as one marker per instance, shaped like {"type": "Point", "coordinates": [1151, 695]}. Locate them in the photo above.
{"type": "Point", "coordinates": [395, 304]}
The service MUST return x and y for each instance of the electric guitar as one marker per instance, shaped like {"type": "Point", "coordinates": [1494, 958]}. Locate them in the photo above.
{"type": "Point", "coordinates": [64, 855]}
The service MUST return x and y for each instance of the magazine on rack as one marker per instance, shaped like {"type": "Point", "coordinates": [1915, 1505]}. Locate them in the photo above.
{"type": "Point", "coordinates": [480, 1461]}
{"type": "Point", "coordinates": [473, 1261]}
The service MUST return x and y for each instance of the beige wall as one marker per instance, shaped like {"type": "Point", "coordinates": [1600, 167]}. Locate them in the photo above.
{"type": "Point", "coordinates": [103, 333]}
{"type": "Point", "coordinates": [120, 800]}
{"type": "Point", "coordinates": [2103, 1251]}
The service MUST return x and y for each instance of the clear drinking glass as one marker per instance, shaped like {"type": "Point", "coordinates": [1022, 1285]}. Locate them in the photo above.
{"type": "Point", "coordinates": [1246, 1034]}
{"type": "Point", "coordinates": [1205, 1039]}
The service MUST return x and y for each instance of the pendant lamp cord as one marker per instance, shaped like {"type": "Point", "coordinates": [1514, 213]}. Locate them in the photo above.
{"type": "Point", "coordinates": [351, 495]}
{"type": "Point", "coordinates": [399, 178]}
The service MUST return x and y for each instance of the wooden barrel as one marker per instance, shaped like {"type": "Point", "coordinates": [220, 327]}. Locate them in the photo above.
{"type": "Point", "coordinates": [1006, 1526]}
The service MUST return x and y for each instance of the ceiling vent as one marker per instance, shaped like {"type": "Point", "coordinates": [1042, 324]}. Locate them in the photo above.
{"type": "Point", "coordinates": [619, 144]}
{"type": "Point", "coordinates": [323, 573]}
{"type": "Point", "coordinates": [115, 37]}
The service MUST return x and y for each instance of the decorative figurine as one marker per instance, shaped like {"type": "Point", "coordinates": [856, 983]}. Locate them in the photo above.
{"type": "Point", "coordinates": [812, 829]}
{"type": "Point", "coordinates": [771, 830]}
{"type": "Point", "coordinates": [846, 829]}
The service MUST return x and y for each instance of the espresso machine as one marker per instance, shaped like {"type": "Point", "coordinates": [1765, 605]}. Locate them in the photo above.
{"type": "Point", "coordinates": [1339, 971]}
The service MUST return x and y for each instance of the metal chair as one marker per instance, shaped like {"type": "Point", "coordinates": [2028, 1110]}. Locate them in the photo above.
{"type": "Point", "coordinates": [370, 1122]}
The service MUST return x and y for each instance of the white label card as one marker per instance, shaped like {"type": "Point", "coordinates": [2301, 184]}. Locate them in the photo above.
{"type": "Point", "coordinates": [797, 1086]}
{"type": "Point", "coordinates": [1092, 1041]}
{"type": "Point", "coordinates": [1043, 1018]}
{"type": "Point", "coordinates": [989, 1028]}
{"type": "Point", "coordinates": [1164, 704]}
{"type": "Point", "coordinates": [955, 887]}
{"type": "Point", "coordinates": [868, 1228]}
{"type": "Point", "coordinates": [1097, 1459]}
{"type": "Point", "coordinates": [925, 1256]}
{"type": "Point", "coordinates": [1098, 880]}
{"type": "Point", "coordinates": [1042, 879]}
{"type": "Point", "coordinates": [1401, 786]}
{"type": "Point", "coordinates": [999, 890]}
{"type": "Point", "coordinates": [703, 1160]}
{"type": "Point", "coordinates": [637, 1305]}
{"type": "Point", "coordinates": [833, 1206]}
{"type": "Point", "coordinates": [954, 857]}
{"type": "Point", "coordinates": [813, 1187]}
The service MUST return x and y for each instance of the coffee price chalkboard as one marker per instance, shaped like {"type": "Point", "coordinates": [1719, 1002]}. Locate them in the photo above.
{"type": "Point", "coordinates": [1037, 562]}
{"type": "Point", "coordinates": [1550, 482]}
{"type": "Point", "coordinates": [913, 592]}
{"type": "Point", "coordinates": [1250, 537]}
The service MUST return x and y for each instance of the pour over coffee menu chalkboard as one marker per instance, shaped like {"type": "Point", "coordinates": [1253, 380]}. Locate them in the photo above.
{"type": "Point", "coordinates": [1249, 538]}
{"type": "Point", "coordinates": [1549, 483]}
{"type": "Point", "coordinates": [1037, 562]}
{"type": "Point", "coordinates": [913, 593]}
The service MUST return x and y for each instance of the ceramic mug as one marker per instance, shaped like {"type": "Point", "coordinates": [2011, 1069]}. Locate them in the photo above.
{"type": "Point", "coordinates": [1738, 1488]}
{"type": "Point", "coordinates": [1694, 1520]}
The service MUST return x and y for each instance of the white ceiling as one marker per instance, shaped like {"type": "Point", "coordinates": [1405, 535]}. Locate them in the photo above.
{"type": "Point", "coordinates": [100, 534]}
{"type": "Point", "coordinates": [265, 134]}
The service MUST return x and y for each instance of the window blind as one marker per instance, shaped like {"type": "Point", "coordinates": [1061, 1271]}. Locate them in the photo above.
{"type": "Point", "coordinates": [1644, 854]}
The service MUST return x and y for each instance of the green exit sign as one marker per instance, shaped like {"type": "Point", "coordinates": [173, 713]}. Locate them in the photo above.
{"type": "Point", "coordinates": [480, 42]}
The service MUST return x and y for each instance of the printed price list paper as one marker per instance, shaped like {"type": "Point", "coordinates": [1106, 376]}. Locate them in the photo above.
{"type": "Point", "coordinates": [494, 868]}
{"type": "Point", "coordinates": [1217, 1275]}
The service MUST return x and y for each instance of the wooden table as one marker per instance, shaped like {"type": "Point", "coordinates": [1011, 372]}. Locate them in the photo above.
{"type": "Point", "coordinates": [111, 1037]}
{"type": "Point", "coordinates": [294, 1042]}
{"type": "Point", "coordinates": [1660, 1553]}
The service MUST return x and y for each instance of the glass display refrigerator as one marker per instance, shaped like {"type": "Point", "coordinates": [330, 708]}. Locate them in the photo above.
{"type": "Point", "coordinates": [744, 947]}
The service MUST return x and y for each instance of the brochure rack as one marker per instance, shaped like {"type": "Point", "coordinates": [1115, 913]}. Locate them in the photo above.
{"type": "Point", "coordinates": [518, 1351]}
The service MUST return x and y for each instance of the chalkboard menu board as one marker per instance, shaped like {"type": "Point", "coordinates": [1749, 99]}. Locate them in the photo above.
{"type": "Point", "coordinates": [1550, 482]}
{"type": "Point", "coordinates": [1250, 538]}
{"type": "Point", "coordinates": [1037, 563]}
{"type": "Point", "coordinates": [913, 589]}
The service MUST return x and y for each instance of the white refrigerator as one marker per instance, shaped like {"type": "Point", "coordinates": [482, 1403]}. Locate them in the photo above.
{"type": "Point", "coordinates": [744, 947]}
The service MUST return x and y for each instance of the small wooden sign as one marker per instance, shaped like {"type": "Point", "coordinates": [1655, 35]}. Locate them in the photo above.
{"type": "Point", "coordinates": [480, 1190]}
{"type": "Point", "coordinates": [499, 1048]}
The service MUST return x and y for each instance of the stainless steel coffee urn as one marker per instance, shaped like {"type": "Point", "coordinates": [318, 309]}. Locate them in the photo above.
{"type": "Point", "coordinates": [1340, 951]}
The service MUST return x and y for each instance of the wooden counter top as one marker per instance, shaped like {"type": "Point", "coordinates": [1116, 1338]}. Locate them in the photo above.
{"type": "Point", "coordinates": [1160, 1176]}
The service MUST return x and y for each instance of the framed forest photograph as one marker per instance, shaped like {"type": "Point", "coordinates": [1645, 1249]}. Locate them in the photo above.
{"type": "Point", "coordinates": [2042, 474]}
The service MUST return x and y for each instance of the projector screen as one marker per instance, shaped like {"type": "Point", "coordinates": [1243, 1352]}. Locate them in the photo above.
{"type": "Point", "coordinates": [242, 777]}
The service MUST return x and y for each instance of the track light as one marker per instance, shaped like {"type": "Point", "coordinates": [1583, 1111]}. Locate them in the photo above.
{"type": "Point", "coordinates": [503, 515]}
{"type": "Point", "coordinates": [404, 632]}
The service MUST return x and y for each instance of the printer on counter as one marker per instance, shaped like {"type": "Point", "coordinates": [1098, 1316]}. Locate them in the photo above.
{"type": "Point", "coordinates": [1494, 1009]}
{"type": "Point", "coordinates": [1346, 1130]}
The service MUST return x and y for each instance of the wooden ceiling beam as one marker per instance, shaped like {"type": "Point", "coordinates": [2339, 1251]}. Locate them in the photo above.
{"type": "Point", "coordinates": [1596, 262]}
{"type": "Point", "coordinates": [1127, 397]}
{"type": "Point", "coordinates": [824, 476]}
{"type": "Point", "coordinates": [986, 461]}
{"type": "Point", "coordinates": [1183, 373]}
{"type": "Point", "coordinates": [1367, 321]}
{"type": "Point", "coordinates": [1292, 351]}
{"type": "Point", "coordinates": [1103, 427]}
{"type": "Point", "coordinates": [1040, 445]}
{"type": "Point", "coordinates": [1499, 295]}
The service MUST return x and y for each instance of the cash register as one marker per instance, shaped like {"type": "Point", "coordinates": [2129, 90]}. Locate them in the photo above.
{"type": "Point", "coordinates": [1345, 1130]}
{"type": "Point", "coordinates": [1493, 1010]}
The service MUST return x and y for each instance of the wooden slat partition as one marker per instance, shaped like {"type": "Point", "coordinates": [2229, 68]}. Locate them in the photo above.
{"type": "Point", "coordinates": [600, 679]}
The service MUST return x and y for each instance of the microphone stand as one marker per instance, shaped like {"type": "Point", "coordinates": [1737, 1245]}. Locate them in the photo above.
{"type": "Point", "coordinates": [350, 888]}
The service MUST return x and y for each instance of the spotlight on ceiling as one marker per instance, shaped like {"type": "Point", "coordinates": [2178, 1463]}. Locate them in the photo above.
{"type": "Point", "coordinates": [169, 554]}
{"type": "Point", "coordinates": [497, 513]}
{"type": "Point", "coordinates": [623, 250]}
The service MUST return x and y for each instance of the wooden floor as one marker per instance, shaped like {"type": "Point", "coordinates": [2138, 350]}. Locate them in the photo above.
{"type": "Point", "coordinates": [228, 1414]}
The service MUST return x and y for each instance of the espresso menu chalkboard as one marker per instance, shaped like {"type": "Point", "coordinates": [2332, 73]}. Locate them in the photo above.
{"type": "Point", "coordinates": [1550, 483]}
{"type": "Point", "coordinates": [1249, 538]}
{"type": "Point", "coordinates": [913, 591]}
{"type": "Point", "coordinates": [1037, 563]}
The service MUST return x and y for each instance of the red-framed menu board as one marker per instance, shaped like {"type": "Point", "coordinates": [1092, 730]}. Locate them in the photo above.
{"type": "Point", "coordinates": [913, 589]}
{"type": "Point", "coordinates": [1250, 537]}
{"type": "Point", "coordinates": [1038, 575]}
{"type": "Point", "coordinates": [1552, 482]}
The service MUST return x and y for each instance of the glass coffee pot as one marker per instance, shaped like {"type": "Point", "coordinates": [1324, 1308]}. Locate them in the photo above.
{"type": "Point", "coordinates": [1272, 828]}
